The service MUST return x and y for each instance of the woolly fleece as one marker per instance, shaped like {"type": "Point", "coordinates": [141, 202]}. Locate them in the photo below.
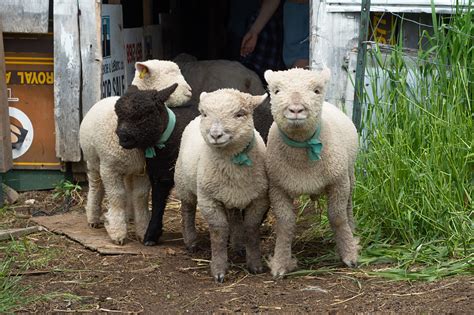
{"type": "Point", "coordinates": [300, 93]}
{"type": "Point", "coordinates": [205, 175]}
{"type": "Point", "coordinates": [118, 172]}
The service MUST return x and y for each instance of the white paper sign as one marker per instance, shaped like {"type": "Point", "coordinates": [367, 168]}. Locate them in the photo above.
{"type": "Point", "coordinates": [133, 44]}
{"type": "Point", "coordinates": [113, 64]}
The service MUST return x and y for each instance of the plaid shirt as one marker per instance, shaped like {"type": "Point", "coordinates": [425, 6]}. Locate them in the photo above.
{"type": "Point", "coordinates": [268, 50]}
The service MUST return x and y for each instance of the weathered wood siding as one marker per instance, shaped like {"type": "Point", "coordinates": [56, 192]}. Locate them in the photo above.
{"type": "Point", "coordinates": [67, 79]}
{"type": "Point", "coordinates": [91, 52]}
{"type": "Point", "coordinates": [6, 162]}
{"type": "Point", "coordinates": [332, 37]}
{"type": "Point", "coordinates": [24, 16]}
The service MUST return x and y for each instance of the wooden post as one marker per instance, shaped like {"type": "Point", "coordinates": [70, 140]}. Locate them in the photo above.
{"type": "Point", "coordinates": [361, 59]}
{"type": "Point", "coordinates": [147, 12]}
{"type": "Point", "coordinates": [6, 161]}
{"type": "Point", "coordinates": [91, 52]}
{"type": "Point", "coordinates": [67, 79]}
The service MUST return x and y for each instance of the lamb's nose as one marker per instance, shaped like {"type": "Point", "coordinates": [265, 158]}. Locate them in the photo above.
{"type": "Point", "coordinates": [216, 134]}
{"type": "Point", "coordinates": [123, 136]}
{"type": "Point", "coordinates": [296, 109]}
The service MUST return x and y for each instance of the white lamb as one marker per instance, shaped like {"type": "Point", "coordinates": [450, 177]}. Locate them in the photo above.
{"type": "Point", "coordinates": [221, 169]}
{"type": "Point", "coordinates": [119, 171]}
{"type": "Point", "coordinates": [312, 147]}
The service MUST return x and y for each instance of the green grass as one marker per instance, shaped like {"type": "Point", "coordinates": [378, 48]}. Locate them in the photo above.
{"type": "Point", "coordinates": [415, 170]}
{"type": "Point", "coordinates": [18, 256]}
{"type": "Point", "coordinates": [413, 199]}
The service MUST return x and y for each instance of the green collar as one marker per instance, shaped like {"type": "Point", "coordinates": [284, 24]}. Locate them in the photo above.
{"type": "Point", "coordinates": [313, 144]}
{"type": "Point", "coordinates": [150, 151]}
{"type": "Point", "coordinates": [243, 158]}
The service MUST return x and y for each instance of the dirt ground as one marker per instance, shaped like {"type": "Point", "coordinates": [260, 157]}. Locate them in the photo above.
{"type": "Point", "coordinates": [76, 279]}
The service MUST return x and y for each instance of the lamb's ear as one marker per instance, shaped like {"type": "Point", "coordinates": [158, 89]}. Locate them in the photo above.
{"type": "Point", "coordinates": [142, 69]}
{"type": "Point", "coordinates": [268, 76]}
{"type": "Point", "coordinates": [257, 100]}
{"type": "Point", "coordinates": [132, 89]}
{"type": "Point", "coordinates": [164, 95]}
{"type": "Point", "coordinates": [202, 95]}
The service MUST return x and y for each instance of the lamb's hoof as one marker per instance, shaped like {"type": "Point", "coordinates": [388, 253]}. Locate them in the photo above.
{"type": "Point", "coordinates": [119, 242]}
{"type": "Point", "coordinates": [94, 225]}
{"type": "Point", "coordinates": [192, 249]}
{"type": "Point", "coordinates": [219, 278]}
{"type": "Point", "coordinates": [280, 269]}
{"type": "Point", "coordinates": [350, 263]}
{"type": "Point", "coordinates": [240, 252]}
{"type": "Point", "coordinates": [150, 243]}
{"type": "Point", "coordinates": [257, 269]}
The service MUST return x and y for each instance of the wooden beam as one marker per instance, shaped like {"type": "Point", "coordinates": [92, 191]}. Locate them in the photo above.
{"type": "Point", "coordinates": [361, 60]}
{"type": "Point", "coordinates": [91, 52]}
{"type": "Point", "coordinates": [24, 16]}
{"type": "Point", "coordinates": [5, 140]}
{"type": "Point", "coordinates": [67, 79]}
{"type": "Point", "coordinates": [147, 12]}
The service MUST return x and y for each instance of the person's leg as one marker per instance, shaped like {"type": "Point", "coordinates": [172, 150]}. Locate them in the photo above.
{"type": "Point", "coordinates": [295, 34]}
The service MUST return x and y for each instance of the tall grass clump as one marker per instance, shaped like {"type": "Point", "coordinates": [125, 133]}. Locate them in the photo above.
{"type": "Point", "coordinates": [413, 198]}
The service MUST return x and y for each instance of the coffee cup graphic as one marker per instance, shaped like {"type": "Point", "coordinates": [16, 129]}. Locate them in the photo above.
{"type": "Point", "coordinates": [21, 132]}
{"type": "Point", "coordinates": [18, 135]}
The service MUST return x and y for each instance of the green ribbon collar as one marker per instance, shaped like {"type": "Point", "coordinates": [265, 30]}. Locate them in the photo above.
{"type": "Point", "coordinates": [150, 151]}
{"type": "Point", "coordinates": [313, 144]}
{"type": "Point", "coordinates": [243, 158]}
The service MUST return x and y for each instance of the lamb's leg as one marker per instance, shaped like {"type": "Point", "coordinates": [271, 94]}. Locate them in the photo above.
{"type": "Point", "coordinates": [188, 213]}
{"type": "Point", "coordinates": [282, 205]}
{"type": "Point", "coordinates": [338, 195]}
{"type": "Point", "coordinates": [141, 189]}
{"type": "Point", "coordinates": [350, 215]}
{"type": "Point", "coordinates": [216, 217]}
{"type": "Point", "coordinates": [160, 191]}
{"type": "Point", "coordinates": [128, 182]}
{"type": "Point", "coordinates": [237, 233]}
{"type": "Point", "coordinates": [115, 218]}
{"type": "Point", "coordinates": [252, 220]}
{"type": "Point", "coordinates": [94, 198]}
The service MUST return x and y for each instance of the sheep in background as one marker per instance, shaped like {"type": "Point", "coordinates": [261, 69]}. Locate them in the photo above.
{"type": "Point", "coordinates": [221, 169]}
{"type": "Point", "coordinates": [312, 147]}
{"type": "Point", "coordinates": [118, 172]}
{"type": "Point", "coordinates": [211, 75]}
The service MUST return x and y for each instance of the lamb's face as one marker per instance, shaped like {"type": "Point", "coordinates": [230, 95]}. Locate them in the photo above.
{"type": "Point", "coordinates": [159, 74]}
{"type": "Point", "coordinates": [297, 96]}
{"type": "Point", "coordinates": [141, 117]}
{"type": "Point", "coordinates": [226, 116]}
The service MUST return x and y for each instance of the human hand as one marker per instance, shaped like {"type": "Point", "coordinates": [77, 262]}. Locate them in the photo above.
{"type": "Point", "coordinates": [248, 43]}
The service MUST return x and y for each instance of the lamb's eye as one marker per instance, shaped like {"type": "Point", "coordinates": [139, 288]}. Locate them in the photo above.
{"type": "Point", "coordinates": [203, 114]}
{"type": "Point", "coordinates": [276, 91]}
{"type": "Point", "coordinates": [240, 113]}
{"type": "Point", "coordinates": [317, 91]}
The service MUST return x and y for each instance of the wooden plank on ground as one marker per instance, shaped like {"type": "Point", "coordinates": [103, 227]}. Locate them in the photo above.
{"type": "Point", "coordinates": [91, 52]}
{"type": "Point", "coordinates": [74, 225]}
{"type": "Point", "coordinates": [5, 141]}
{"type": "Point", "coordinates": [67, 79]}
{"type": "Point", "coordinates": [16, 233]}
{"type": "Point", "coordinates": [24, 16]}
